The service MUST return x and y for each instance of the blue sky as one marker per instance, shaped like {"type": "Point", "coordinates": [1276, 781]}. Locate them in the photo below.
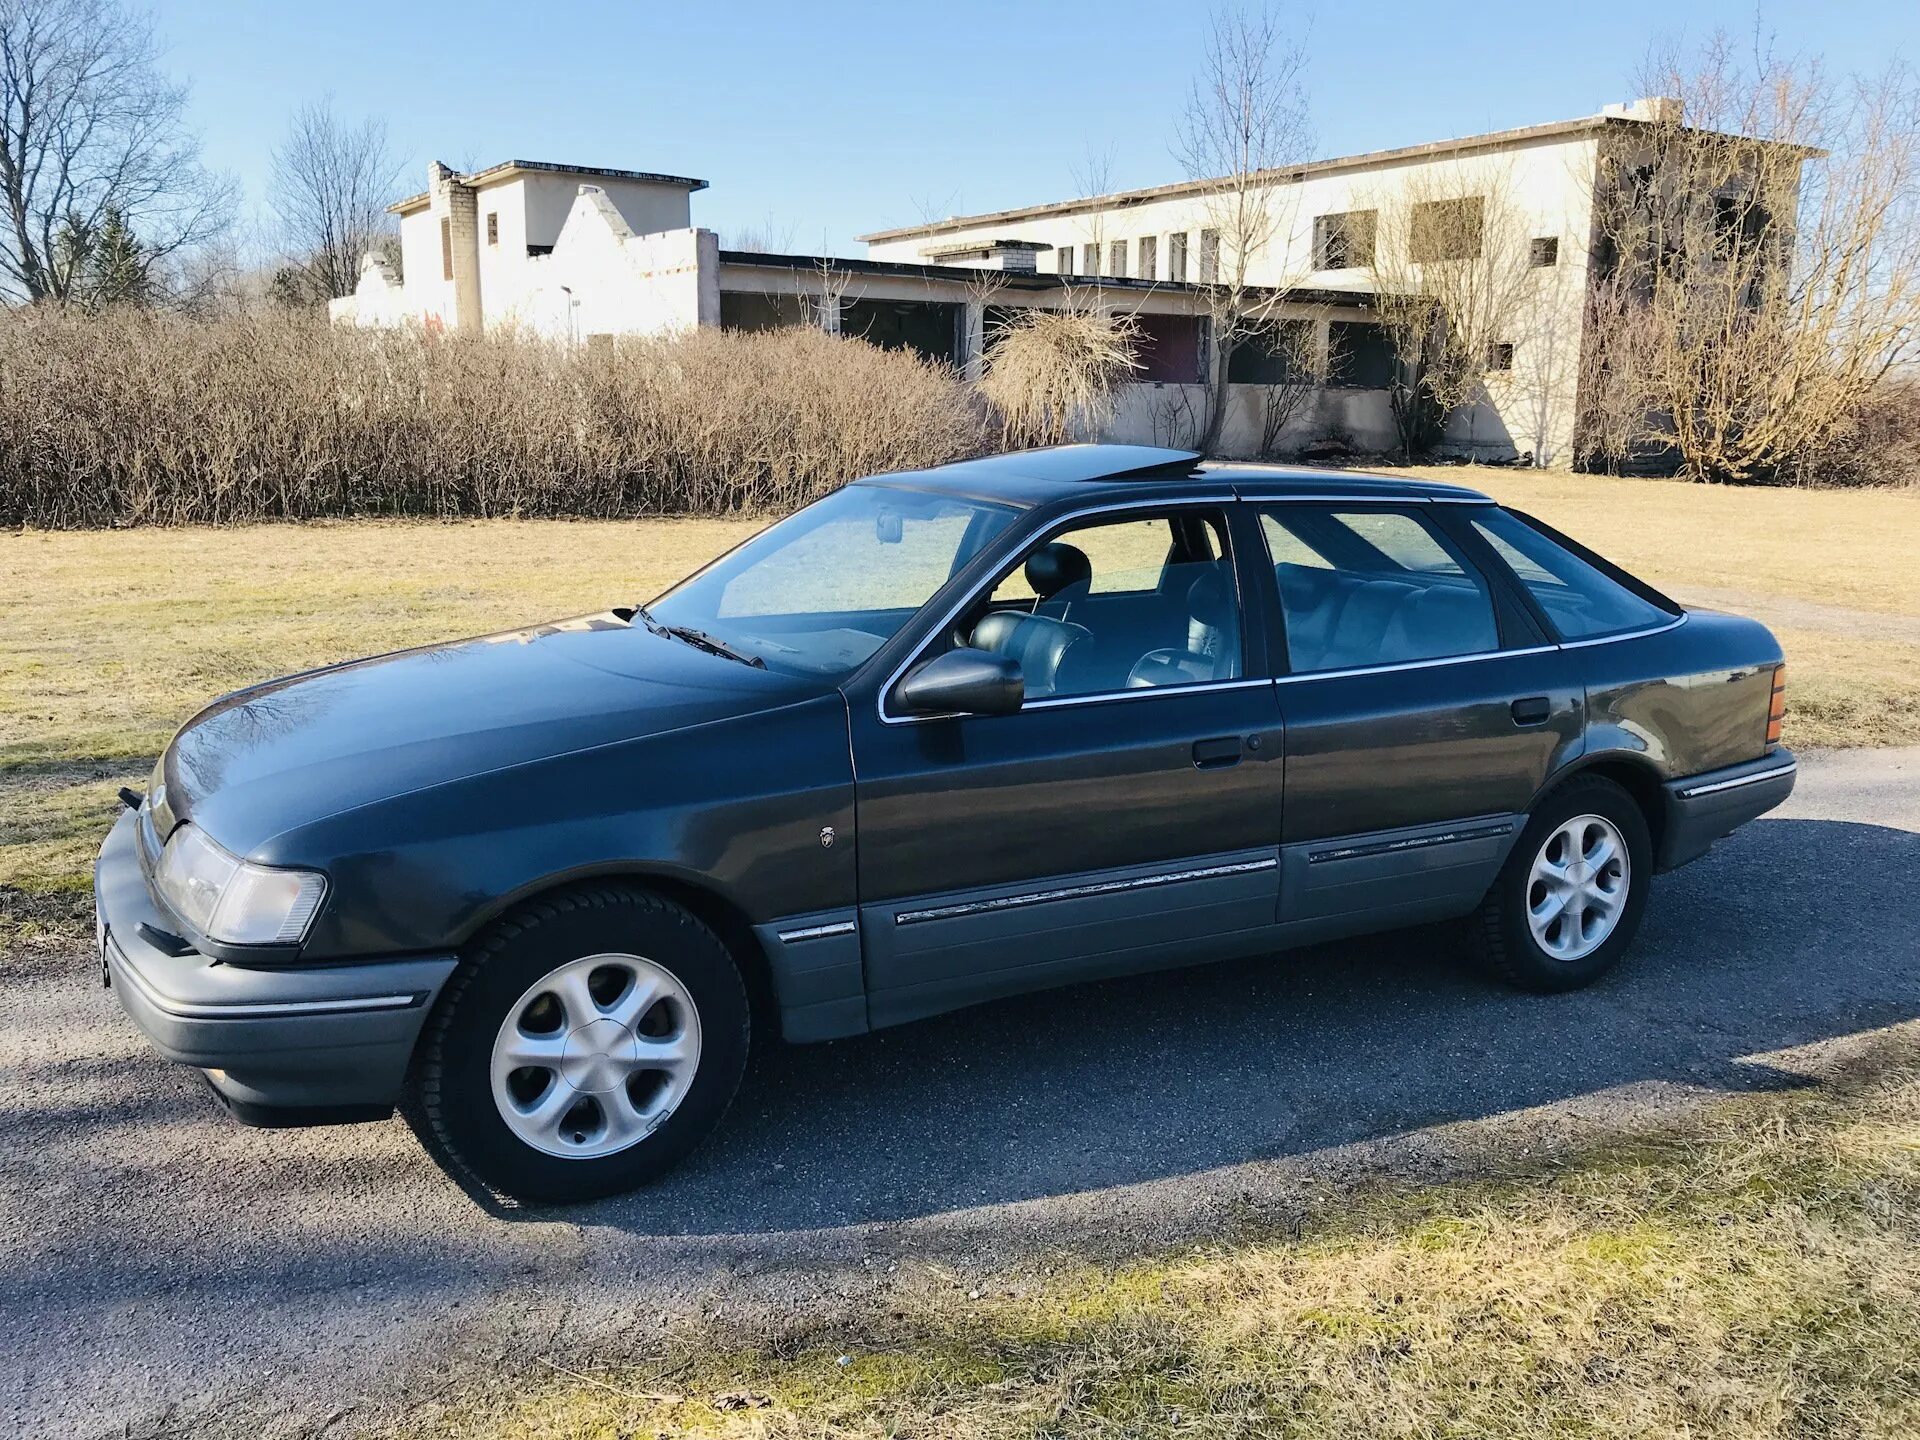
{"type": "Point", "coordinates": [823, 120]}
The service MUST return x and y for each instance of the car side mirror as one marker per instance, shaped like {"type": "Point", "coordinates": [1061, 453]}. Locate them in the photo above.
{"type": "Point", "coordinates": [967, 682]}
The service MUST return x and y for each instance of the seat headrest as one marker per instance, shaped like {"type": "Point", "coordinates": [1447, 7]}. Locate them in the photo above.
{"type": "Point", "coordinates": [1052, 568]}
{"type": "Point", "coordinates": [1210, 599]}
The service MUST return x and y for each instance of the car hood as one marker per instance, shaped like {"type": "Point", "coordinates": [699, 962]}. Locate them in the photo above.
{"type": "Point", "coordinates": [288, 752]}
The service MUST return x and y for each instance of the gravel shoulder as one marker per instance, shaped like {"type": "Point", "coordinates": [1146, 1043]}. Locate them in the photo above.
{"type": "Point", "coordinates": [165, 1271]}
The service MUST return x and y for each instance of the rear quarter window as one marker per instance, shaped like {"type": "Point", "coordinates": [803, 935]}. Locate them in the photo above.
{"type": "Point", "coordinates": [1581, 601]}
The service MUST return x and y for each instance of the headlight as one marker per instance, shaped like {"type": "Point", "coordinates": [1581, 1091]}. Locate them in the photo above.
{"type": "Point", "coordinates": [234, 901]}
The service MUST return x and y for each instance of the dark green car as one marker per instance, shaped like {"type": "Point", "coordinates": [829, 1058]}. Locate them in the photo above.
{"type": "Point", "coordinates": [937, 738]}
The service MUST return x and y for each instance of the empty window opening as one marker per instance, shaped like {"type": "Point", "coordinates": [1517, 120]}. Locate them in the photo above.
{"type": "Point", "coordinates": [1500, 355]}
{"type": "Point", "coordinates": [1117, 259]}
{"type": "Point", "coordinates": [1447, 229]}
{"type": "Point", "coordinates": [446, 249]}
{"type": "Point", "coordinates": [493, 227]}
{"type": "Point", "coordinates": [1149, 257]}
{"type": "Point", "coordinates": [1344, 241]}
{"type": "Point", "coordinates": [1177, 258]}
{"type": "Point", "coordinates": [1209, 257]}
{"type": "Point", "coordinates": [1545, 251]}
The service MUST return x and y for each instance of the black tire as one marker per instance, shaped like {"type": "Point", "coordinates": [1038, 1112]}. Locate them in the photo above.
{"type": "Point", "coordinates": [452, 1103]}
{"type": "Point", "coordinates": [1501, 937]}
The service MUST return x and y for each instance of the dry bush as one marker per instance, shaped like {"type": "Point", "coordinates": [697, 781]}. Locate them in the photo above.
{"type": "Point", "coordinates": [1054, 372]}
{"type": "Point", "coordinates": [130, 418]}
{"type": "Point", "coordinates": [1878, 444]}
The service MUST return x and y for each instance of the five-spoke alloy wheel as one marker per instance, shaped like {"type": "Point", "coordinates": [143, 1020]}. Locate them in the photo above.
{"type": "Point", "coordinates": [1567, 903]}
{"type": "Point", "coordinates": [588, 1041]}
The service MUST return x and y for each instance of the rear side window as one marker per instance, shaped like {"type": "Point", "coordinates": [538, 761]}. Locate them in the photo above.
{"type": "Point", "coordinates": [1373, 587]}
{"type": "Point", "coordinates": [1579, 600]}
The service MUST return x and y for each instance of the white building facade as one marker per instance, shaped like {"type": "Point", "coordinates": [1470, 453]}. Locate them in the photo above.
{"type": "Point", "coordinates": [577, 254]}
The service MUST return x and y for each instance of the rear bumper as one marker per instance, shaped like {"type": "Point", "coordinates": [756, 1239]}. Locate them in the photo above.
{"type": "Point", "coordinates": [1703, 808]}
{"type": "Point", "coordinates": [283, 1045]}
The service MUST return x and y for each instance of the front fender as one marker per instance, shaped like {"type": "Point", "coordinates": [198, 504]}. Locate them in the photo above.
{"type": "Point", "coordinates": [735, 807]}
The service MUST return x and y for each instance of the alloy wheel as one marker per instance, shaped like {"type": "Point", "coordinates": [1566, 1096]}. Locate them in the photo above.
{"type": "Point", "coordinates": [595, 1055]}
{"type": "Point", "coordinates": [1577, 889]}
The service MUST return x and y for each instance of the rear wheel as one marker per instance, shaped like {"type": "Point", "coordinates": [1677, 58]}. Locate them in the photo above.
{"type": "Point", "coordinates": [1569, 899]}
{"type": "Point", "coordinates": [591, 1040]}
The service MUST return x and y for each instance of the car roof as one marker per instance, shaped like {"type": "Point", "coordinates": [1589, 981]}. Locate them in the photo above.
{"type": "Point", "coordinates": [1097, 472]}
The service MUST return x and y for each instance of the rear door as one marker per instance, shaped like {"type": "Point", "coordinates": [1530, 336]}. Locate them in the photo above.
{"type": "Point", "coordinates": [1128, 816]}
{"type": "Point", "coordinates": [1423, 709]}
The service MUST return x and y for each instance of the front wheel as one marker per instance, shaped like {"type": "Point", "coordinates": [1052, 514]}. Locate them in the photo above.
{"type": "Point", "coordinates": [589, 1041]}
{"type": "Point", "coordinates": [1568, 901]}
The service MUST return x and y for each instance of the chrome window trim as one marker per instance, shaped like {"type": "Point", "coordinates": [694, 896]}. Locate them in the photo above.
{"type": "Point", "coordinates": [1143, 692]}
{"type": "Point", "coordinates": [1352, 499]}
{"type": "Point", "coordinates": [1300, 675]}
{"type": "Point", "coordinates": [1739, 780]}
{"type": "Point", "coordinates": [1165, 502]}
{"type": "Point", "coordinates": [1641, 633]}
{"type": "Point", "coordinates": [818, 932]}
{"type": "Point", "coordinates": [1076, 892]}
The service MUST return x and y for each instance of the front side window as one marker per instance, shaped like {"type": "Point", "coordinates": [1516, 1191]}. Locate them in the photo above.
{"type": "Point", "coordinates": [1580, 600]}
{"type": "Point", "coordinates": [1116, 605]}
{"type": "Point", "coordinates": [1373, 586]}
{"type": "Point", "coordinates": [822, 590]}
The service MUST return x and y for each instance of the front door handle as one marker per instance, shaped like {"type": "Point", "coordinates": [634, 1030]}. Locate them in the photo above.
{"type": "Point", "coordinates": [1216, 754]}
{"type": "Point", "coordinates": [1534, 710]}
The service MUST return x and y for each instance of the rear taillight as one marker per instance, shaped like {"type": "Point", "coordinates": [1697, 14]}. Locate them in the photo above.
{"type": "Point", "coordinates": [1777, 711]}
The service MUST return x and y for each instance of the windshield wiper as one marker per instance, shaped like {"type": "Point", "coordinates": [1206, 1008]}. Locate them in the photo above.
{"type": "Point", "coordinates": [699, 639]}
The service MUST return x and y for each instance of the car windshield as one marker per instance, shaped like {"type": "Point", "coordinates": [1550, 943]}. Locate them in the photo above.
{"type": "Point", "coordinates": [820, 592]}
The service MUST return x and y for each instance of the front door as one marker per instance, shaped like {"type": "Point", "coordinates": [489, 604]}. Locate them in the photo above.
{"type": "Point", "coordinates": [1127, 817]}
{"type": "Point", "coordinates": [1423, 713]}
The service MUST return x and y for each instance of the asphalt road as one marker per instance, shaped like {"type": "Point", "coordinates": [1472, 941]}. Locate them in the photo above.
{"type": "Point", "coordinates": [164, 1271]}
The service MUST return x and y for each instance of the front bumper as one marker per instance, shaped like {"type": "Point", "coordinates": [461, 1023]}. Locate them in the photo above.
{"type": "Point", "coordinates": [282, 1045]}
{"type": "Point", "coordinates": [1703, 808]}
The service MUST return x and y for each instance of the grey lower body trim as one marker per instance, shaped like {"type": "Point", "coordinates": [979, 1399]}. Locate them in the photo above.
{"type": "Point", "coordinates": [818, 979]}
{"type": "Point", "coordinates": [975, 945]}
{"type": "Point", "coordinates": [1738, 782]}
{"type": "Point", "coordinates": [1077, 892]}
{"type": "Point", "coordinates": [1356, 883]}
{"type": "Point", "coordinates": [1703, 808]}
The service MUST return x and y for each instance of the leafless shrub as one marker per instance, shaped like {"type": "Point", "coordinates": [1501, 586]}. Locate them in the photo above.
{"type": "Point", "coordinates": [1053, 373]}
{"type": "Point", "coordinates": [1879, 444]}
{"type": "Point", "coordinates": [131, 418]}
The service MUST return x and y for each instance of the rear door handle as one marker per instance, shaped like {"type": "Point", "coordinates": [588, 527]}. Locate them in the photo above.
{"type": "Point", "coordinates": [1216, 754]}
{"type": "Point", "coordinates": [1534, 710]}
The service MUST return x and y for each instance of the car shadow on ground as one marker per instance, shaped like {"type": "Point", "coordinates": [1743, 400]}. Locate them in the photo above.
{"type": "Point", "coordinates": [1790, 932]}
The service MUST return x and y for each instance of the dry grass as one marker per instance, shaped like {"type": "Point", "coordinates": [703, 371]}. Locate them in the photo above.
{"type": "Point", "coordinates": [109, 639]}
{"type": "Point", "coordinates": [130, 418]}
{"type": "Point", "coordinates": [1754, 1273]}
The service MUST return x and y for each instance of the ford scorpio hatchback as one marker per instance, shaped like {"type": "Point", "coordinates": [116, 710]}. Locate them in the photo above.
{"type": "Point", "coordinates": [938, 738]}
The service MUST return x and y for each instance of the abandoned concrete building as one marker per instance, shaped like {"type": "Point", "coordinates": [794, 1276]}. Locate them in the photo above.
{"type": "Point", "coordinates": [577, 253]}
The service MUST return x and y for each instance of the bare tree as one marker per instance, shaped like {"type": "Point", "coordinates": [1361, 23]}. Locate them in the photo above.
{"type": "Point", "coordinates": [332, 183]}
{"type": "Point", "coordinates": [1246, 116]}
{"type": "Point", "coordinates": [90, 128]}
{"type": "Point", "coordinates": [1758, 258]}
{"type": "Point", "coordinates": [1292, 352]}
{"type": "Point", "coordinates": [1452, 289]}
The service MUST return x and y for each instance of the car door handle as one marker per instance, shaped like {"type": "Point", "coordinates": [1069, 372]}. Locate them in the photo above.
{"type": "Point", "coordinates": [1216, 754]}
{"type": "Point", "coordinates": [1534, 710]}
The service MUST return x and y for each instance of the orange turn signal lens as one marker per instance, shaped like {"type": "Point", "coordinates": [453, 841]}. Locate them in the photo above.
{"type": "Point", "coordinates": [1776, 712]}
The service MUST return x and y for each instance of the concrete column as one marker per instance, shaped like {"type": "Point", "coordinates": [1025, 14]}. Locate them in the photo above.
{"type": "Point", "coordinates": [455, 210]}
{"type": "Point", "coordinates": [973, 339]}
